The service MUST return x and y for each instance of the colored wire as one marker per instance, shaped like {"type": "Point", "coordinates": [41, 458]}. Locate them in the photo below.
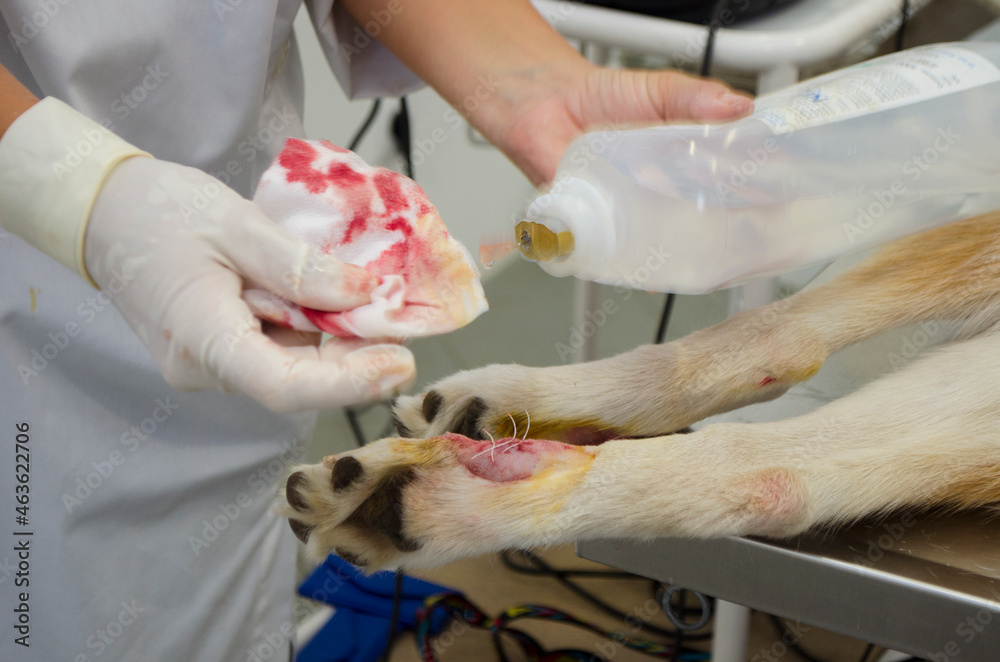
{"type": "Point", "coordinates": [462, 609]}
{"type": "Point", "coordinates": [541, 567]}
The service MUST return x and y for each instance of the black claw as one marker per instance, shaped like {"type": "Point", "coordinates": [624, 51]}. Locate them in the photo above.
{"type": "Point", "coordinates": [300, 530]}
{"type": "Point", "coordinates": [353, 559]}
{"type": "Point", "coordinates": [401, 430]}
{"type": "Point", "coordinates": [292, 495]}
{"type": "Point", "coordinates": [432, 405]}
{"type": "Point", "coordinates": [346, 470]}
{"type": "Point", "coordinates": [468, 424]}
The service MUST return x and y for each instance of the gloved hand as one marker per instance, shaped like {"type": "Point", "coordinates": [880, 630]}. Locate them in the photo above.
{"type": "Point", "coordinates": [172, 247]}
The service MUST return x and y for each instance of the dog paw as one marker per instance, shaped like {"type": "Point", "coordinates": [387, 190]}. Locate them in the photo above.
{"type": "Point", "coordinates": [565, 403]}
{"type": "Point", "coordinates": [420, 503]}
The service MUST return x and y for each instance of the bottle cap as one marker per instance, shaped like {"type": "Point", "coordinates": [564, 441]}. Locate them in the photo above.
{"type": "Point", "coordinates": [569, 230]}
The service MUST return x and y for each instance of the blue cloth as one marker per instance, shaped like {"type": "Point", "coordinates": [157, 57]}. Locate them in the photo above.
{"type": "Point", "coordinates": [358, 629]}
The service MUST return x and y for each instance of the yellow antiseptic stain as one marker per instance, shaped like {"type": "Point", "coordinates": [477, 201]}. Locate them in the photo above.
{"type": "Point", "coordinates": [33, 293]}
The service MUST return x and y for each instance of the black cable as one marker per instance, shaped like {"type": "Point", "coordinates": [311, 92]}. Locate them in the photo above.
{"type": "Point", "coordinates": [397, 599]}
{"type": "Point", "coordinates": [679, 637]}
{"type": "Point", "coordinates": [531, 570]}
{"type": "Point", "coordinates": [904, 18]}
{"type": "Point", "coordinates": [706, 69]}
{"type": "Point", "coordinates": [868, 651]}
{"type": "Point", "coordinates": [562, 576]}
{"type": "Point", "coordinates": [352, 420]}
{"type": "Point", "coordinates": [713, 25]}
{"type": "Point", "coordinates": [363, 129]}
{"type": "Point", "coordinates": [401, 135]}
{"type": "Point", "coordinates": [668, 309]}
{"type": "Point", "coordinates": [791, 641]}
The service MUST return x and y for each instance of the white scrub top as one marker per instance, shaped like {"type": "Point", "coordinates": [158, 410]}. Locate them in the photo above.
{"type": "Point", "coordinates": [135, 520]}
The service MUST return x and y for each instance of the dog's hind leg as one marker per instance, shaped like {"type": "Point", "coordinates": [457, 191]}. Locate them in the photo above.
{"type": "Point", "coordinates": [950, 272]}
{"type": "Point", "coordinates": [927, 435]}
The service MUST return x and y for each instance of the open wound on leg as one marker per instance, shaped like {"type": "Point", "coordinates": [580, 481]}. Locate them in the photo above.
{"type": "Point", "coordinates": [510, 459]}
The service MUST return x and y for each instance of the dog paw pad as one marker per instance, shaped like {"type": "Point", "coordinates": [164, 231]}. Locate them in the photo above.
{"type": "Point", "coordinates": [345, 472]}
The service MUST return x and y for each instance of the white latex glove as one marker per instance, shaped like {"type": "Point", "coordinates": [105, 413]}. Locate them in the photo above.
{"type": "Point", "coordinates": [171, 246]}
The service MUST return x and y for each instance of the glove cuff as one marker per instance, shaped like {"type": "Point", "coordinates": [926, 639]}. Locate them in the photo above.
{"type": "Point", "coordinates": [53, 162]}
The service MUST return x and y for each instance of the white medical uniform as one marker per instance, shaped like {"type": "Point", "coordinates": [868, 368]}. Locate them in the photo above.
{"type": "Point", "coordinates": [148, 529]}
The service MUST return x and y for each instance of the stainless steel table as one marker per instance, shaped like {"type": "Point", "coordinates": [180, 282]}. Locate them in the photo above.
{"type": "Point", "coordinates": [927, 585]}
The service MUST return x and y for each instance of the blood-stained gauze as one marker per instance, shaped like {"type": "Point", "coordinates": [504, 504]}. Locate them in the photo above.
{"type": "Point", "coordinates": [374, 218]}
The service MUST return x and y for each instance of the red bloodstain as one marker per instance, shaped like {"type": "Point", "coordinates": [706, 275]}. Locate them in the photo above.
{"type": "Point", "coordinates": [358, 225]}
{"type": "Point", "coordinates": [399, 224]}
{"type": "Point", "coordinates": [767, 380]}
{"type": "Point", "coordinates": [387, 184]}
{"type": "Point", "coordinates": [391, 261]}
{"type": "Point", "coordinates": [404, 203]}
{"type": "Point", "coordinates": [329, 322]}
{"type": "Point", "coordinates": [344, 175]}
{"type": "Point", "coordinates": [297, 159]}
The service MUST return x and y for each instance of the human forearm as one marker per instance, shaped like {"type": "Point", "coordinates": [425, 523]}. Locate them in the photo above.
{"type": "Point", "coordinates": [523, 86]}
{"type": "Point", "coordinates": [14, 99]}
{"type": "Point", "coordinates": [481, 50]}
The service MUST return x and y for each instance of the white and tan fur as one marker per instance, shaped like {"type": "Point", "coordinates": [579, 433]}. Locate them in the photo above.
{"type": "Point", "coordinates": [926, 435]}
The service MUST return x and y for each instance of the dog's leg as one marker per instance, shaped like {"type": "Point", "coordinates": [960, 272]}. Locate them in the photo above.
{"type": "Point", "coordinates": [950, 272]}
{"type": "Point", "coordinates": [926, 435]}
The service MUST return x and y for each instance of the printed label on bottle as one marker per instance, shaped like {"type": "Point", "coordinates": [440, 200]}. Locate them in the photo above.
{"type": "Point", "coordinates": [888, 82]}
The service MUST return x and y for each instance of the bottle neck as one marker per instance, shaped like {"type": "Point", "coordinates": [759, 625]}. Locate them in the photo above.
{"type": "Point", "coordinates": [578, 219]}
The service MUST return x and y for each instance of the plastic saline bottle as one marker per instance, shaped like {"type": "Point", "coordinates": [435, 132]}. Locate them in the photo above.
{"type": "Point", "coordinates": [838, 163]}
